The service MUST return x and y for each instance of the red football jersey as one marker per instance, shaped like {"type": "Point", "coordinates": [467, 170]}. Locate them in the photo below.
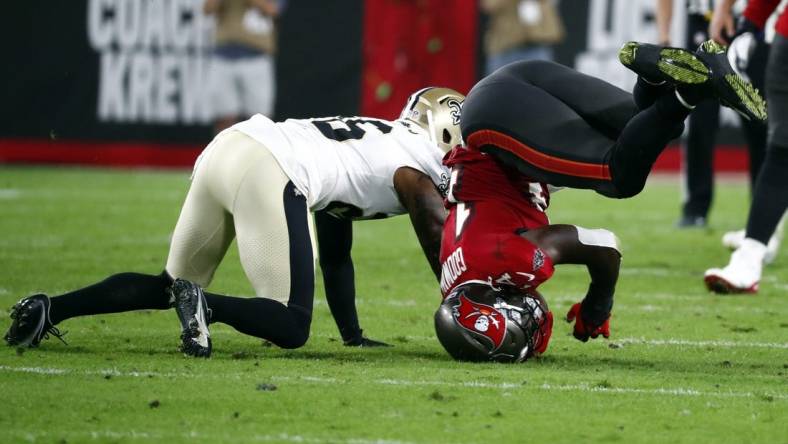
{"type": "Point", "coordinates": [489, 205]}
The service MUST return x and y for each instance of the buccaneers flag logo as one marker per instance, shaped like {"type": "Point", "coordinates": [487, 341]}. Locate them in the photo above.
{"type": "Point", "coordinates": [481, 319]}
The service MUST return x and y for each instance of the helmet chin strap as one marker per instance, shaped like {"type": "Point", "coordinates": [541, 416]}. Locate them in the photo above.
{"type": "Point", "coordinates": [431, 126]}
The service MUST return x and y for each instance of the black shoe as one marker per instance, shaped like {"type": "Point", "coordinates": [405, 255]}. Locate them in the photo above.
{"type": "Point", "coordinates": [194, 314]}
{"type": "Point", "coordinates": [688, 221]}
{"type": "Point", "coordinates": [658, 64]}
{"type": "Point", "coordinates": [361, 341]}
{"type": "Point", "coordinates": [730, 88]}
{"type": "Point", "coordinates": [30, 322]}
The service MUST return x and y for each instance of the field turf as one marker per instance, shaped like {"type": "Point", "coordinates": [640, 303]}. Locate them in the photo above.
{"type": "Point", "coordinates": [682, 365]}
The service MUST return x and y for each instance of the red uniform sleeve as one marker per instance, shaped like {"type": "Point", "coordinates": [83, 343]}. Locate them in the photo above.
{"type": "Point", "coordinates": [758, 11]}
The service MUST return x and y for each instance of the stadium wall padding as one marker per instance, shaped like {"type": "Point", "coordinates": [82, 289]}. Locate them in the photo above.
{"type": "Point", "coordinates": [89, 80]}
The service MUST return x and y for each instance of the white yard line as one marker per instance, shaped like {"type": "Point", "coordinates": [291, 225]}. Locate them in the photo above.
{"type": "Point", "coordinates": [643, 341]}
{"type": "Point", "coordinates": [661, 391]}
{"type": "Point", "coordinates": [9, 193]}
{"type": "Point", "coordinates": [147, 436]}
{"type": "Point", "coordinates": [713, 343]}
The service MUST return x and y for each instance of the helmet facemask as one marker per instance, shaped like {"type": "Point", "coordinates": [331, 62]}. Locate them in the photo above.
{"type": "Point", "coordinates": [479, 323]}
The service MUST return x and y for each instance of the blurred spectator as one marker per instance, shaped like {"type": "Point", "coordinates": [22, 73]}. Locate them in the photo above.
{"type": "Point", "coordinates": [242, 77]}
{"type": "Point", "coordinates": [704, 120]}
{"type": "Point", "coordinates": [520, 30]}
{"type": "Point", "coordinates": [770, 197]}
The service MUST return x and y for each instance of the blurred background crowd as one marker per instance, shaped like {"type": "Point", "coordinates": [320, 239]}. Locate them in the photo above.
{"type": "Point", "coordinates": [148, 82]}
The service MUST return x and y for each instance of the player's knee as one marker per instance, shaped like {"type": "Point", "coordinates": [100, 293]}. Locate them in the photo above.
{"type": "Point", "coordinates": [630, 188]}
{"type": "Point", "coordinates": [299, 331]}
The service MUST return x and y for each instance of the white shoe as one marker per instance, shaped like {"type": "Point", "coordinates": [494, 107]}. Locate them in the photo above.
{"type": "Point", "coordinates": [733, 239]}
{"type": "Point", "coordinates": [742, 274]}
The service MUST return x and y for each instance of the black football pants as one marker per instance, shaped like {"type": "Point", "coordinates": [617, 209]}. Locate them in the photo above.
{"type": "Point", "coordinates": [564, 128]}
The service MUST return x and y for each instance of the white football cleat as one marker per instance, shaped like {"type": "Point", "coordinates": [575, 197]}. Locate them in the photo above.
{"type": "Point", "coordinates": [742, 274]}
{"type": "Point", "coordinates": [733, 239]}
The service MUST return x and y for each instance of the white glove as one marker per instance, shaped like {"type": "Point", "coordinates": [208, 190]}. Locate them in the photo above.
{"type": "Point", "coordinates": [739, 52]}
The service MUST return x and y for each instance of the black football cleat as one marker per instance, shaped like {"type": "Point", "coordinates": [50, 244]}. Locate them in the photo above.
{"type": "Point", "coordinates": [658, 64]}
{"type": "Point", "coordinates": [194, 314]}
{"type": "Point", "coordinates": [706, 74]}
{"type": "Point", "coordinates": [730, 88]}
{"type": "Point", "coordinates": [30, 322]}
{"type": "Point", "coordinates": [364, 342]}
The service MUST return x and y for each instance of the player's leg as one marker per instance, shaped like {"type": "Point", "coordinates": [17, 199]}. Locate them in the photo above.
{"type": "Point", "coordinates": [275, 243]}
{"type": "Point", "coordinates": [755, 132]}
{"type": "Point", "coordinates": [698, 164]}
{"type": "Point", "coordinates": [199, 242]}
{"type": "Point", "coordinates": [202, 235]}
{"type": "Point", "coordinates": [547, 139]}
{"type": "Point", "coordinates": [118, 293]}
{"type": "Point", "coordinates": [602, 105]}
{"type": "Point", "coordinates": [770, 197]}
{"type": "Point", "coordinates": [36, 316]}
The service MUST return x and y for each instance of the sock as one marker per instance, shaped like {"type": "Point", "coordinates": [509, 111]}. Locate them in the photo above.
{"type": "Point", "coordinates": [641, 142]}
{"type": "Point", "coordinates": [286, 327]}
{"type": "Point", "coordinates": [645, 92]}
{"type": "Point", "coordinates": [770, 198]}
{"type": "Point", "coordinates": [690, 95]}
{"type": "Point", "coordinates": [672, 107]}
{"type": "Point", "coordinates": [118, 293]}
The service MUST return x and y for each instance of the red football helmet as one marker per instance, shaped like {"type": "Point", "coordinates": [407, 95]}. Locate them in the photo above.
{"type": "Point", "coordinates": [477, 322]}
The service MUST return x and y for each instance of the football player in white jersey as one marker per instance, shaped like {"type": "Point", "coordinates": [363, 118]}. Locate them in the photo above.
{"type": "Point", "coordinates": [258, 182]}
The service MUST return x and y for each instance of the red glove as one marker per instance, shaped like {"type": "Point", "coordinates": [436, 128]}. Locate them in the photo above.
{"type": "Point", "coordinates": [547, 331]}
{"type": "Point", "coordinates": [582, 331]}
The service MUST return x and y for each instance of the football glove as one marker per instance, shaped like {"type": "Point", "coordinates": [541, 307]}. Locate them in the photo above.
{"type": "Point", "coordinates": [583, 329]}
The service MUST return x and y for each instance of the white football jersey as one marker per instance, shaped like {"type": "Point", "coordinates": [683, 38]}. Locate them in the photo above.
{"type": "Point", "coordinates": [347, 164]}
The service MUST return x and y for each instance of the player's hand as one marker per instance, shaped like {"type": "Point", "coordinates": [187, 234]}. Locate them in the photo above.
{"type": "Point", "coordinates": [584, 330]}
{"type": "Point", "coordinates": [361, 341]}
{"type": "Point", "coordinates": [721, 26]}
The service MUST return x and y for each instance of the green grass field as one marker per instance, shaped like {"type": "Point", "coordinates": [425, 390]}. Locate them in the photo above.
{"type": "Point", "coordinates": [682, 365]}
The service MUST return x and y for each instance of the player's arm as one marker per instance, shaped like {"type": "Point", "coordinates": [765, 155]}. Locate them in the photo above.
{"type": "Point", "coordinates": [721, 26]}
{"type": "Point", "coordinates": [421, 198]}
{"type": "Point", "coordinates": [664, 18]}
{"type": "Point", "coordinates": [210, 7]}
{"type": "Point", "coordinates": [335, 239]}
{"type": "Point", "coordinates": [598, 250]}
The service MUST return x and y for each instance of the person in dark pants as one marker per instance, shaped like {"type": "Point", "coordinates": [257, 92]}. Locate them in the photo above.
{"type": "Point", "coordinates": [770, 197]}
{"type": "Point", "coordinates": [704, 120]}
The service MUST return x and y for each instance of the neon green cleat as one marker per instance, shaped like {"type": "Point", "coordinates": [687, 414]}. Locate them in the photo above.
{"type": "Point", "coordinates": [730, 88]}
{"type": "Point", "coordinates": [664, 64]}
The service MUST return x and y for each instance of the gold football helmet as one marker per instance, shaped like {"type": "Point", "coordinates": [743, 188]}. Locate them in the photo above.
{"type": "Point", "coordinates": [437, 110]}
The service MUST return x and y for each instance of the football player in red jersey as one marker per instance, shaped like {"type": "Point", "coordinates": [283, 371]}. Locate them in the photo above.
{"type": "Point", "coordinates": [532, 126]}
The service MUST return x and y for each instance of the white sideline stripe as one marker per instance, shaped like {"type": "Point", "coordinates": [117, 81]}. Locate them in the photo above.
{"type": "Point", "coordinates": [667, 391]}
{"type": "Point", "coordinates": [104, 372]}
{"type": "Point", "coordinates": [644, 341]}
{"type": "Point", "coordinates": [9, 193]}
{"type": "Point", "coordinates": [133, 434]}
{"type": "Point", "coordinates": [673, 391]}
{"type": "Point", "coordinates": [718, 344]}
